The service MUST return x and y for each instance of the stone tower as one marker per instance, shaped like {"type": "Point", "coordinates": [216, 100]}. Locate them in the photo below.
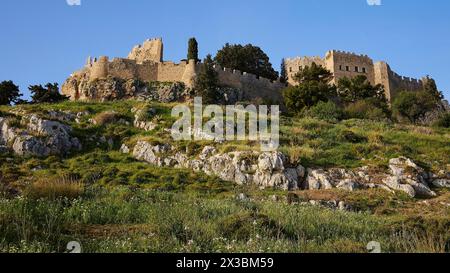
{"type": "Point", "coordinates": [150, 50]}
{"type": "Point", "coordinates": [99, 68]}
{"type": "Point", "coordinates": [190, 73]}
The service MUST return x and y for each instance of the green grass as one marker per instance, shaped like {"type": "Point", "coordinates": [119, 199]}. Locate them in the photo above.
{"type": "Point", "coordinates": [130, 206]}
{"type": "Point", "coordinates": [129, 220]}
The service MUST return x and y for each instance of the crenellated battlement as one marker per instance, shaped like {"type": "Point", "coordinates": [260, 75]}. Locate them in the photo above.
{"type": "Point", "coordinates": [145, 62]}
{"type": "Point", "coordinates": [244, 75]}
{"type": "Point", "coordinates": [349, 64]}
{"type": "Point", "coordinates": [347, 53]}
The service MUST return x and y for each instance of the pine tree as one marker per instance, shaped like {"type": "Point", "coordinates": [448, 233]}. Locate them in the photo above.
{"type": "Point", "coordinates": [9, 93]}
{"type": "Point", "coordinates": [48, 94]}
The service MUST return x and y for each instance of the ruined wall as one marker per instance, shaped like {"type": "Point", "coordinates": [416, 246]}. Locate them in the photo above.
{"type": "Point", "coordinates": [145, 63]}
{"type": "Point", "coordinates": [150, 50]}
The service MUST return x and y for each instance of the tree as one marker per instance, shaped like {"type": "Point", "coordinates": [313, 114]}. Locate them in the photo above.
{"type": "Point", "coordinates": [306, 95]}
{"type": "Point", "coordinates": [314, 72]}
{"type": "Point", "coordinates": [9, 93]}
{"type": "Point", "coordinates": [431, 87]}
{"type": "Point", "coordinates": [48, 94]}
{"type": "Point", "coordinates": [283, 72]}
{"type": "Point", "coordinates": [192, 49]}
{"type": "Point", "coordinates": [206, 83]}
{"type": "Point", "coordinates": [413, 105]}
{"type": "Point", "coordinates": [248, 58]}
{"type": "Point", "coordinates": [313, 86]}
{"type": "Point", "coordinates": [359, 88]}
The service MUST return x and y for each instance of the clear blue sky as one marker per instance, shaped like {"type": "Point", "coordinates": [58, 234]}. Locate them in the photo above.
{"type": "Point", "coordinates": [44, 41]}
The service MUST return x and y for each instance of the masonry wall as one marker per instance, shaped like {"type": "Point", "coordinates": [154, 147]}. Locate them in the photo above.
{"type": "Point", "coordinates": [394, 83]}
{"type": "Point", "coordinates": [345, 64]}
{"type": "Point", "coordinates": [253, 86]}
{"type": "Point", "coordinates": [171, 72]}
{"type": "Point", "coordinates": [150, 50]}
{"type": "Point", "coordinates": [293, 66]}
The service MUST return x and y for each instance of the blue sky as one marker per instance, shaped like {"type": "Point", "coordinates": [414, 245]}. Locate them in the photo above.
{"type": "Point", "coordinates": [44, 41]}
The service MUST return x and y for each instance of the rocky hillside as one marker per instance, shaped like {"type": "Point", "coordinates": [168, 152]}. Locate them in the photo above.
{"type": "Point", "coordinates": [142, 131]}
{"type": "Point", "coordinates": [110, 172]}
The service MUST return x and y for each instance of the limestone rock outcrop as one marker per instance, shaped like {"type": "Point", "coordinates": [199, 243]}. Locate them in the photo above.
{"type": "Point", "coordinates": [318, 179]}
{"type": "Point", "coordinates": [41, 137]}
{"type": "Point", "coordinates": [406, 176]}
{"type": "Point", "coordinates": [266, 170]}
{"type": "Point", "coordinates": [79, 87]}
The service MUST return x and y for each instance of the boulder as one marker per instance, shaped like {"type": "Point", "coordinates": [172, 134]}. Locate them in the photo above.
{"type": "Point", "coordinates": [407, 176]}
{"type": "Point", "coordinates": [348, 184]}
{"type": "Point", "coordinates": [42, 138]}
{"type": "Point", "coordinates": [318, 179]}
{"type": "Point", "coordinates": [441, 183]}
{"type": "Point", "coordinates": [262, 169]}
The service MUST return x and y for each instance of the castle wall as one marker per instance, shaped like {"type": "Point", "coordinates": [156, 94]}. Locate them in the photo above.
{"type": "Point", "coordinates": [145, 63]}
{"type": "Point", "coordinates": [122, 68]}
{"type": "Point", "coordinates": [148, 71]}
{"type": "Point", "coordinates": [345, 64]}
{"type": "Point", "coordinates": [381, 70]}
{"type": "Point", "coordinates": [171, 72]}
{"type": "Point", "coordinates": [99, 68]}
{"type": "Point", "coordinates": [394, 83]}
{"type": "Point", "coordinates": [252, 86]}
{"type": "Point", "coordinates": [293, 66]}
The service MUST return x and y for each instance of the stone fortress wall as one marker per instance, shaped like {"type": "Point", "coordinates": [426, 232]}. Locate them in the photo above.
{"type": "Point", "coordinates": [145, 62]}
{"type": "Point", "coordinates": [348, 64]}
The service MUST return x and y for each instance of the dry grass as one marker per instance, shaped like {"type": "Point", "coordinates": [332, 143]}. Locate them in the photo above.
{"type": "Point", "coordinates": [420, 242]}
{"type": "Point", "coordinates": [107, 117]}
{"type": "Point", "coordinates": [54, 188]}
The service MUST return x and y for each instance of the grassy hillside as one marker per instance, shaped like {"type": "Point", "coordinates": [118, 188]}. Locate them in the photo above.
{"type": "Point", "coordinates": [112, 203]}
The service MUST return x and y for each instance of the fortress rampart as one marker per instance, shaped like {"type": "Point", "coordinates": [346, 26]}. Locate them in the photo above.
{"type": "Point", "coordinates": [145, 62]}
{"type": "Point", "coordinates": [348, 64]}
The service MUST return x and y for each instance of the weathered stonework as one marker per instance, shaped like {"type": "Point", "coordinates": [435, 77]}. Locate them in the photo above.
{"type": "Point", "coordinates": [145, 63]}
{"type": "Point", "coordinates": [345, 64]}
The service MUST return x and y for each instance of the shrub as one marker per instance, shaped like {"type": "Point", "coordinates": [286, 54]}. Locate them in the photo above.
{"type": "Point", "coordinates": [444, 121]}
{"type": "Point", "coordinates": [46, 94]}
{"type": "Point", "coordinates": [147, 113]}
{"type": "Point", "coordinates": [9, 93]}
{"type": "Point", "coordinates": [306, 94]}
{"type": "Point", "coordinates": [328, 111]}
{"type": "Point", "coordinates": [352, 137]}
{"type": "Point", "coordinates": [366, 109]}
{"type": "Point", "coordinates": [413, 105]}
{"type": "Point", "coordinates": [54, 188]}
{"type": "Point", "coordinates": [106, 118]}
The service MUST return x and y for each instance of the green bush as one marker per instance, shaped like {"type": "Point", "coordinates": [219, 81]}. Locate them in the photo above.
{"type": "Point", "coordinates": [328, 111]}
{"type": "Point", "coordinates": [352, 137]}
{"type": "Point", "coordinates": [366, 109]}
{"type": "Point", "coordinates": [444, 121]}
{"type": "Point", "coordinates": [413, 105]}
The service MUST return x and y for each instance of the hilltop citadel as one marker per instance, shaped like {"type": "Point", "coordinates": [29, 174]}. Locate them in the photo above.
{"type": "Point", "coordinates": [146, 63]}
